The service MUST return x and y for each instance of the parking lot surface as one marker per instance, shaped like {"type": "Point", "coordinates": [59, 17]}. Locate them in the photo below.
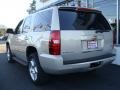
{"type": "Point", "coordinates": [14, 77]}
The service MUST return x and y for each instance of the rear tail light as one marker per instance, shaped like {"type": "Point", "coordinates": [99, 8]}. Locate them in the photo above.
{"type": "Point", "coordinates": [55, 43]}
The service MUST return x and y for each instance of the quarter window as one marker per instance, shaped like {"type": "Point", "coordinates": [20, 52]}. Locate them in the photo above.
{"type": "Point", "coordinates": [42, 21]}
{"type": "Point", "coordinates": [18, 29]}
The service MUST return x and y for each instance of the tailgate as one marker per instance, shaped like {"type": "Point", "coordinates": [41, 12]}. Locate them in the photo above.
{"type": "Point", "coordinates": [84, 34]}
{"type": "Point", "coordinates": [85, 44]}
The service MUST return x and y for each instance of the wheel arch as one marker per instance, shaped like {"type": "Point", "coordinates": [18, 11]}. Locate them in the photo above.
{"type": "Point", "coordinates": [7, 43]}
{"type": "Point", "coordinates": [30, 50]}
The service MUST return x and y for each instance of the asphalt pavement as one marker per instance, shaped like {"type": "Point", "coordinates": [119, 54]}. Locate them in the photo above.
{"type": "Point", "coordinates": [14, 77]}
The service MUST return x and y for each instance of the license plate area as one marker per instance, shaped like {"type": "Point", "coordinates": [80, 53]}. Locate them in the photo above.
{"type": "Point", "coordinates": [92, 44]}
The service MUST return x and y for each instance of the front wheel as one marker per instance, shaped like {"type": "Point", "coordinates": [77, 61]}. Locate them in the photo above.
{"type": "Point", "coordinates": [37, 75]}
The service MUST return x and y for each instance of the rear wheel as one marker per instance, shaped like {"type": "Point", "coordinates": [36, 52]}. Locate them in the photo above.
{"type": "Point", "coordinates": [37, 75]}
{"type": "Point", "coordinates": [9, 55]}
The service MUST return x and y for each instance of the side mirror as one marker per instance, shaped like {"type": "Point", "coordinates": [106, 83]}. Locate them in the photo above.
{"type": "Point", "coordinates": [10, 30]}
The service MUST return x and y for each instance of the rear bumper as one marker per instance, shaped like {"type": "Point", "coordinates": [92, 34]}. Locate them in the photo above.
{"type": "Point", "coordinates": [88, 59]}
{"type": "Point", "coordinates": [54, 64]}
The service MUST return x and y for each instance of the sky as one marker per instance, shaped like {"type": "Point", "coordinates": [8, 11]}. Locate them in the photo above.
{"type": "Point", "coordinates": [12, 11]}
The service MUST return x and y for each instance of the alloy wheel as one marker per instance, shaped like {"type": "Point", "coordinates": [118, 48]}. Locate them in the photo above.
{"type": "Point", "coordinates": [8, 54]}
{"type": "Point", "coordinates": [33, 70]}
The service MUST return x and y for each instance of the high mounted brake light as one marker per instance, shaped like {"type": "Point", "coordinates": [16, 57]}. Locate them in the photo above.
{"type": "Point", "coordinates": [84, 9]}
{"type": "Point", "coordinates": [79, 9]}
{"type": "Point", "coordinates": [87, 10]}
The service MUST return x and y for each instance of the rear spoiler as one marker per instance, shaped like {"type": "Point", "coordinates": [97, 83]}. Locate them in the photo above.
{"type": "Point", "coordinates": [79, 9]}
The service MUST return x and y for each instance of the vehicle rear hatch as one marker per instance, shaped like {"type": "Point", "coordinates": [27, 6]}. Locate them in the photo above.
{"type": "Point", "coordinates": [85, 33]}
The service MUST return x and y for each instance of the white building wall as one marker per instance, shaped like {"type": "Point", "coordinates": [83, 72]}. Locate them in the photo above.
{"type": "Point", "coordinates": [40, 4]}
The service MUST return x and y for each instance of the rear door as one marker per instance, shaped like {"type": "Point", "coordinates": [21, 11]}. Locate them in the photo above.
{"type": "Point", "coordinates": [84, 34]}
{"type": "Point", "coordinates": [23, 38]}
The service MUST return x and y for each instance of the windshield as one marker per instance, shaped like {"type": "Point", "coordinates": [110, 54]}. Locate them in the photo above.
{"type": "Point", "coordinates": [79, 20]}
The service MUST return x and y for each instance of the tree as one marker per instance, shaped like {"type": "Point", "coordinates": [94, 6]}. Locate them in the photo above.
{"type": "Point", "coordinates": [2, 30]}
{"type": "Point", "coordinates": [32, 7]}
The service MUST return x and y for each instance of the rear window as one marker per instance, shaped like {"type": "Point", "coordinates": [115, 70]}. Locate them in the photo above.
{"type": "Point", "coordinates": [79, 20]}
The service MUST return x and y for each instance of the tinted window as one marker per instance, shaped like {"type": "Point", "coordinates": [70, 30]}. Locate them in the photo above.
{"type": "Point", "coordinates": [18, 29]}
{"type": "Point", "coordinates": [27, 24]}
{"type": "Point", "coordinates": [42, 21]}
{"type": "Point", "coordinates": [73, 20]}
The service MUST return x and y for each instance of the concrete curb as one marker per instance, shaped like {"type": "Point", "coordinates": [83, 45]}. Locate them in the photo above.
{"type": "Point", "coordinates": [2, 48]}
{"type": "Point", "coordinates": [117, 61]}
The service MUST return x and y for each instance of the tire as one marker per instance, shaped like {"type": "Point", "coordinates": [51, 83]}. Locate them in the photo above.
{"type": "Point", "coordinates": [37, 75]}
{"type": "Point", "coordinates": [92, 71]}
{"type": "Point", "coordinates": [9, 55]}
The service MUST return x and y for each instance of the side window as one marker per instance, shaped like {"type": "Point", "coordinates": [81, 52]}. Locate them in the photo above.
{"type": "Point", "coordinates": [27, 24]}
{"type": "Point", "coordinates": [18, 29]}
{"type": "Point", "coordinates": [42, 21]}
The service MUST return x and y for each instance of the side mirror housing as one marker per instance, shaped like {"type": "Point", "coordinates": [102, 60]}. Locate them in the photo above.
{"type": "Point", "coordinates": [10, 30]}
